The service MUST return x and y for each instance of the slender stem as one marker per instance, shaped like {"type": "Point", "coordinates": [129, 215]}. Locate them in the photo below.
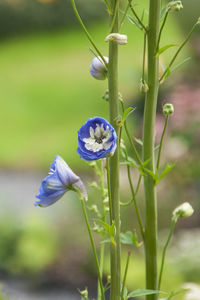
{"type": "Point", "coordinates": [173, 223]}
{"type": "Point", "coordinates": [125, 14]}
{"type": "Point", "coordinates": [114, 160]}
{"type": "Point", "coordinates": [115, 15]}
{"type": "Point", "coordinates": [125, 274]}
{"type": "Point", "coordinates": [108, 7]}
{"type": "Point", "coordinates": [135, 201]}
{"type": "Point", "coordinates": [86, 32]}
{"type": "Point", "coordinates": [178, 51]}
{"type": "Point", "coordinates": [144, 57]}
{"type": "Point", "coordinates": [161, 141]}
{"type": "Point", "coordinates": [130, 140]}
{"type": "Point", "coordinates": [148, 149]}
{"type": "Point", "coordinates": [161, 28]}
{"type": "Point", "coordinates": [102, 246]}
{"type": "Point", "coordinates": [138, 184]}
{"type": "Point", "coordinates": [135, 14]}
{"type": "Point", "coordinates": [93, 248]}
{"type": "Point", "coordinates": [108, 186]}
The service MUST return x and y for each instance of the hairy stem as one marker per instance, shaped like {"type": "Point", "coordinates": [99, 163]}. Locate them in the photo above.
{"type": "Point", "coordinates": [148, 149]}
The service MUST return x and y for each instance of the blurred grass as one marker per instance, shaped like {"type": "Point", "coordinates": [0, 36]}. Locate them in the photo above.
{"type": "Point", "coordinates": [47, 92]}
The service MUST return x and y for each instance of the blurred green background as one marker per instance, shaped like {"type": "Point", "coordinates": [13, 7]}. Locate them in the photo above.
{"type": "Point", "coordinates": [47, 93]}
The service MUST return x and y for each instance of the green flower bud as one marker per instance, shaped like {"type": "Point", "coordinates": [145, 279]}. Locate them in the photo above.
{"type": "Point", "coordinates": [184, 210]}
{"type": "Point", "coordinates": [175, 5]}
{"type": "Point", "coordinates": [143, 87]}
{"type": "Point", "coordinates": [105, 96]}
{"type": "Point", "coordinates": [84, 294]}
{"type": "Point", "coordinates": [118, 38]}
{"type": "Point", "coordinates": [168, 109]}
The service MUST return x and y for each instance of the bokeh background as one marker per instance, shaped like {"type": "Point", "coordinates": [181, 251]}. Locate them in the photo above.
{"type": "Point", "coordinates": [46, 94]}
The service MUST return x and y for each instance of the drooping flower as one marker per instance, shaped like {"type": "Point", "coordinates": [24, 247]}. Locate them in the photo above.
{"type": "Point", "coordinates": [96, 139]}
{"type": "Point", "coordinates": [60, 180]}
{"type": "Point", "coordinates": [98, 69]}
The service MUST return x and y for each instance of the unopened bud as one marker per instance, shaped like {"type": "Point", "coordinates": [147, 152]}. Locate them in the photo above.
{"type": "Point", "coordinates": [105, 96]}
{"type": "Point", "coordinates": [118, 38]}
{"type": "Point", "coordinates": [94, 184]}
{"type": "Point", "coordinates": [108, 278]}
{"type": "Point", "coordinates": [198, 21]}
{"type": "Point", "coordinates": [168, 109]}
{"type": "Point", "coordinates": [98, 68]}
{"type": "Point", "coordinates": [184, 210]}
{"type": "Point", "coordinates": [175, 5]}
{"type": "Point", "coordinates": [84, 293]}
{"type": "Point", "coordinates": [143, 87]}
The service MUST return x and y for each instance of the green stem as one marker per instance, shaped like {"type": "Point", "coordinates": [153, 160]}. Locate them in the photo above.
{"type": "Point", "coordinates": [130, 141]}
{"type": "Point", "coordinates": [125, 275]}
{"type": "Point", "coordinates": [178, 51]}
{"type": "Point", "coordinates": [124, 16]}
{"type": "Point", "coordinates": [93, 248]}
{"type": "Point", "coordinates": [148, 149]}
{"type": "Point", "coordinates": [86, 32]}
{"type": "Point", "coordinates": [135, 201]}
{"type": "Point", "coordinates": [114, 160]}
{"type": "Point", "coordinates": [161, 29]}
{"type": "Point", "coordinates": [108, 186]}
{"type": "Point", "coordinates": [173, 223]}
{"type": "Point", "coordinates": [144, 57]}
{"type": "Point", "coordinates": [138, 184]}
{"type": "Point", "coordinates": [161, 141]}
{"type": "Point", "coordinates": [138, 19]}
{"type": "Point", "coordinates": [114, 16]}
{"type": "Point", "coordinates": [108, 7]}
{"type": "Point", "coordinates": [102, 246]}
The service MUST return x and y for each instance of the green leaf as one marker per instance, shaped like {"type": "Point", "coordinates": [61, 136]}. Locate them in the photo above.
{"type": "Point", "coordinates": [152, 174]}
{"type": "Point", "coordinates": [134, 21]}
{"type": "Point", "coordinates": [140, 292]}
{"type": "Point", "coordinates": [139, 141]}
{"type": "Point", "coordinates": [173, 294]}
{"type": "Point", "coordinates": [167, 169]}
{"type": "Point", "coordinates": [127, 112]}
{"type": "Point", "coordinates": [164, 48]}
{"type": "Point", "coordinates": [130, 238]}
{"type": "Point", "coordinates": [180, 64]}
{"type": "Point", "coordinates": [110, 229]}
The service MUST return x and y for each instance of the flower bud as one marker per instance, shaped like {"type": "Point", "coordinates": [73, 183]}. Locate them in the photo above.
{"type": "Point", "coordinates": [98, 69]}
{"type": "Point", "coordinates": [168, 109]}
{"type": "Point", "coordinates": [184, 210]}
{"type": "Point", "coordinates": [120, 39]}
{"type": "Point", "coordinates": [143, 87]}
{"type": "Point", "coordinates": [84, 294]}
{"type": "Point", "coordinates": [105, 96]}
{"type": "Point", "coordinates": [175, 5]}
{"type": "Point", "coordinates": [198, 21]}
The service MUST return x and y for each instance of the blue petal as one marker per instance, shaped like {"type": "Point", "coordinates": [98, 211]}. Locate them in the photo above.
{"type": "Point", "coordinates": [66, 175]}
{"type": "Point", "coordinates": [46, 200]}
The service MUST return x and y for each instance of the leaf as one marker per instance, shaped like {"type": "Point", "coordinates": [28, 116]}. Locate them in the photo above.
{"type": "Point", "coordinates": [180, 64]}
{"type": "Point", "coordinates": [134, 21]}
{"type": "Point", "coordinates": [110, 229]}
{"type": "Point", "coordinates": [167, 169]}
{"type": "Point", "coordinates": [127, 112]}
{"type": "Point", "coordinates": [139, 141]}
{"type": "Point", "coordinates": [164, 48]}
{"type": "Point", "coordinates": [172, 294]}
{"type": "Point", "coordinates": [140, 292]}
{"type": "Point", "coordinates": [130, 238]}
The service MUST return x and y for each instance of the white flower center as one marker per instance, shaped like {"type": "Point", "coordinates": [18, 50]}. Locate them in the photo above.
{"type": "Point", "coordinates": [98, 139]}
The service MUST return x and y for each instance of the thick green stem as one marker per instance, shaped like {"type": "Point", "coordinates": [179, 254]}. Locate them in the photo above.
{"type": "Point", "coordinates": [164, 251]}
{"type": "Point", "coordinates": [114, 160]}
{"type": "Point", "coordinates": [148, 149]}
{"type": "Point", "coordinates": [93, 247]}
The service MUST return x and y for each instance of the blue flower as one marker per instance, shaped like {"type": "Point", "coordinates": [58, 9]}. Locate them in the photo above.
{"type": "Point", "coordinates": [96, 139]}
{"type": "Point", "coordinates": [60, 180]}
{"type": "Point", "coordinates": [98, 69]}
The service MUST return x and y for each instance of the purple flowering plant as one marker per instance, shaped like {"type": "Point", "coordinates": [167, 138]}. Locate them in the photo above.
{"type": "Point", "coordinates": [100, 142]}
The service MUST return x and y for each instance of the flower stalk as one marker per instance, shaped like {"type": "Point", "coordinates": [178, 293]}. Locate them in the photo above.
{"type": "Point", "coordinates": [148, 148]}
{"type": "Point", "coordinates": [114, 160]}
